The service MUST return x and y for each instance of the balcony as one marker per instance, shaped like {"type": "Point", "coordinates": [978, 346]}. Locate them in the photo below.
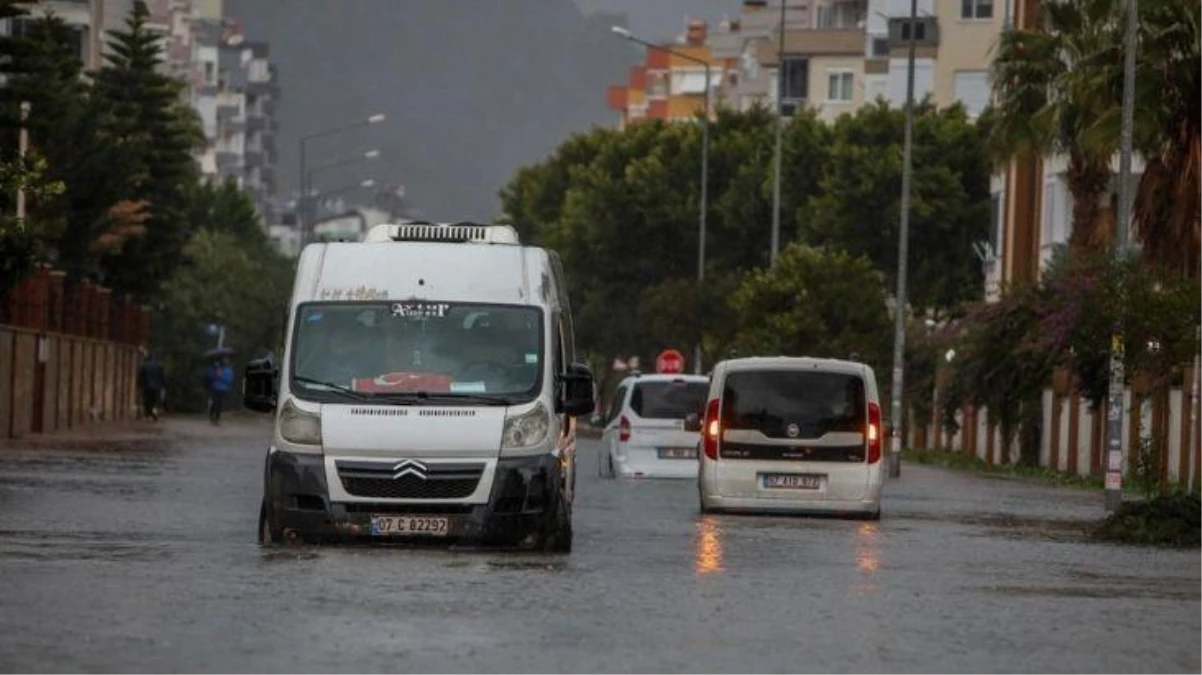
{"type": "Point", "coordinates": [926, 32]}
{"type": "Point", "coordinates": [813, 42]}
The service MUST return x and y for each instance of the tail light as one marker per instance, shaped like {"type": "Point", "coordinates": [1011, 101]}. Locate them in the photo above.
{"type": "Point", "coordinates": [874, 433]}
{"type": "Point", "coordinates": [711, 430]}
{"type": "Point", "coordinates": [623, 429]}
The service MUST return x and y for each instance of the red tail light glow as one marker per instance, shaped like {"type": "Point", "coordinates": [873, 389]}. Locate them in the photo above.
{"type": "Point", "coordinates": [874, 433]}
{"type": "Point", "coordinates": [711, 430]}
{"type": "Point", "coordinates": [623, 429]}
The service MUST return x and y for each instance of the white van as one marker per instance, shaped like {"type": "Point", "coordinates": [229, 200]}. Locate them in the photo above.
{"type": "Point", "coordinates": [643, 434]}
{"type": "Point", "coordinates": [428, 390]}
{"type": "Point", "coordinates": [791, 434]}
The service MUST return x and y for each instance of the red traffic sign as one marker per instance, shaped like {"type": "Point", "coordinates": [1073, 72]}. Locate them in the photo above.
{"type": "Point", "coordinates": [669, 362]}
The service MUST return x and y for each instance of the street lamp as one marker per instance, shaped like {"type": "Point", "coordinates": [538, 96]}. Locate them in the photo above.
{"type": "Point", "coordinates": [304, 186]}
{"type": "Point", "coordinates": [705, 153]}
{"type": "Point", "coordinates": [354, 159]}
{"type": "Point", "coordinates": [903, 247]}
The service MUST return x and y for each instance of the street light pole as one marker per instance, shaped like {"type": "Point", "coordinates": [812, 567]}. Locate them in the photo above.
{"type": "Point", "coordinates": [903, 249]}
{"type": "Point", "coordinates": [780, 124]}
{"type": "Point", "coordinates": [364, 156]}
{"type": "Point", "coordinates": [705, 153]}
{"type": "Point", "coordinates": [303, 202]}
{"type": "Point", "coordinates": [22, 148]}
{"type": "Point", "coordinates": [1114, 403]}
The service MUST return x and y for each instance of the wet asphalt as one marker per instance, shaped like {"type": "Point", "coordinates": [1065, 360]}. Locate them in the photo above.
{"type": "Point", "coordinates": [141, 556]}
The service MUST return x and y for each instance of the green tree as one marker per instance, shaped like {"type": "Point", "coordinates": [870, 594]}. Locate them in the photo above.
{"type": "Point", "coordinates": [22, 241]}
{"type": "Point", "coordinates": [223, 281]}
{"type": "Point", "coordinates": [150, 118]}
{"type": "Point", "coordinates": [814, 302]}
{"type": "Point", "coordinates": [858, 205]}
{"type": "Point", "coordinates": [67, 126]}
{"type": "Point", "coordinates": [1048, 99]}
{"type": "Point", "coordinates": [1168, 115]}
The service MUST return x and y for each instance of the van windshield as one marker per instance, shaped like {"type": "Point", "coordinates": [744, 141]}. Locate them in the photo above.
{"type": "Point", "coordinates": [672, 400]}
{"type": "Point", "coordinates": [395, 350]}
{"type": "Point", "coordinates": [772, 402]}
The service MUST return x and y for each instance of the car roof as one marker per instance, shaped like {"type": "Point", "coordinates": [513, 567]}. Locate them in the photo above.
{"type": "Point", "coordinates": [794, 363]}
{"type": "Point", "coordinates": [659, 377]}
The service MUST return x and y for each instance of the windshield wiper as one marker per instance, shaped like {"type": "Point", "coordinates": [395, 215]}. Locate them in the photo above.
{"type": "Point", "coordinates": [333, 387]}
{"type": "Point", "coordinates": [423, 396]}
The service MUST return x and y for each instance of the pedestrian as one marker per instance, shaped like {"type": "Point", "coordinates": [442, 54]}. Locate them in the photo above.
{"type": "Point", "coordinates": [153, 383]}
{"type": "Point", "coordinates": [218, 380]}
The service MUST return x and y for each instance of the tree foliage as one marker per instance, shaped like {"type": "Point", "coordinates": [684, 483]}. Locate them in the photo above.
{"type": "Point", "coordinates": [814, 302]}
{"type": "Point", "coordinates": [857, 207]}
{"type": "Point", "coordinates": [622, 208]}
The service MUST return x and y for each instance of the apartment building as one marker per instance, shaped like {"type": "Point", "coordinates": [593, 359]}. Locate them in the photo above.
{"type": "Point", "coordinates": [668, 87]}
{"type": "Point", "coordinates": [90, 19]}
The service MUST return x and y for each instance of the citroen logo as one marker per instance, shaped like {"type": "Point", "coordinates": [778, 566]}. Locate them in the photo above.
{"type": "Point", "coordinates": [409, 467]}
{"type": "Point", "coordinates": [793, 430]}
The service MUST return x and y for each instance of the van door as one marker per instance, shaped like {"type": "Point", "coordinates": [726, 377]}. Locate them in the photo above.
{"type": "Point", "coordinates": [794, 434]}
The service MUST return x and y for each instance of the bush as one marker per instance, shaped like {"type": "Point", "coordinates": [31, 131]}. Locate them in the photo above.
{"type": "Point", "coordinates": [1164, 521]}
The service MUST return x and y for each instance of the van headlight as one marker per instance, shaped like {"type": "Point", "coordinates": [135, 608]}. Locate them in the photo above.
{"type": "Point", "coordinates": [527, 430]}
{"type": "Point", "coordinates": [298, 426]}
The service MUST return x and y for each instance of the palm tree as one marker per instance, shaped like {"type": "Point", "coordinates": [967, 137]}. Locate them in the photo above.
{"type": "Point", "coordinates": [1047, 99]}
{"type": "Point", "coordinates": [1168, 133]}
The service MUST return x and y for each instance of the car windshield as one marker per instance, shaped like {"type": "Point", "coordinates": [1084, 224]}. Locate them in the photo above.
{"type": "Point", "coordinates": [672, 400]}
{"type": "Point", "coordinates": [772, 402]}
{"type": "Point", "coordinates": [417, 351]}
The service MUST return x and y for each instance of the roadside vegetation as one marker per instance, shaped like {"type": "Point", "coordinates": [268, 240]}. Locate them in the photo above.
{"type": "Point", "coordinates": [116, 197]}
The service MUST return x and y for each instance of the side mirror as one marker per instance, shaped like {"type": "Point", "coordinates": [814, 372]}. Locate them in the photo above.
{"type": "Point", "coordinates": [577, 395]}
{"type": "Point", "coordinates": [259, 385]}
{"type": "Point", "coordinates": [692, 422]}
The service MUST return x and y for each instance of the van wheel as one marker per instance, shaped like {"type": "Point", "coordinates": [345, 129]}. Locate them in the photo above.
{"type": "Point", "coordinates": [557, 537]}
{"type": "Point", "coordinates": [269, 530]}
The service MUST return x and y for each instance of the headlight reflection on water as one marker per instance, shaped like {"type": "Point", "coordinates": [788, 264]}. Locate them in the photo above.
{"type": "Point", "coordinates": [709, 546]}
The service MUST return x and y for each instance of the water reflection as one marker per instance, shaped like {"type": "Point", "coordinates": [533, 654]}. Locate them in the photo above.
{"type": "Point", "coordinates": [868, 559]}
{"type": "Point", "coordinates": [709, 546]}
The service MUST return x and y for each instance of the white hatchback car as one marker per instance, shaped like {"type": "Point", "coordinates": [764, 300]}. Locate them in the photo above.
{"type": "Point", "coordinates": [644, 434]}
{"type": "Point", "coordinates": [791, 434]}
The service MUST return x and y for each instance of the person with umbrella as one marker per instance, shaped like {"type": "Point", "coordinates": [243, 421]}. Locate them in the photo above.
{"type": "Point", "coordinates": [219, 378]}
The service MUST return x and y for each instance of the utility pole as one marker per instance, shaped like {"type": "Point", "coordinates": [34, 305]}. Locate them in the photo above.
{"type": "Point", "coordinates": [22, 148]}
{"type": "Point", "coordinates": [780, 124]}
{"type": "Point", "coordinates": [903, 248]}
{"type": "Point", "coordinates": [1192, 436]}
{"type": "Point", "coordinates": [1114, 402]}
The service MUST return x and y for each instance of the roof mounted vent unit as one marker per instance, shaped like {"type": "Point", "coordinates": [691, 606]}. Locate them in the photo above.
{"type": "Point", "coordinates": [456, 233]}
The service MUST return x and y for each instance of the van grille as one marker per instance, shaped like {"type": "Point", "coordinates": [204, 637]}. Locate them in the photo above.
{"type": "Point", "coordinates": [383, 480]}
{"type": "Point", "coordinates": [380, 412]}
{"type": "Point", "coordinates": [446, 413]}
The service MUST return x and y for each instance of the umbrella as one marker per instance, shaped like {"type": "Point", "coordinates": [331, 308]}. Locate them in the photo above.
{"type": "Point", "coordinates": [218, 352]}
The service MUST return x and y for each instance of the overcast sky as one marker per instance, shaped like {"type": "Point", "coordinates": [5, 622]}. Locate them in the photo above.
{"type": "Point", "coordinates": [473, 89]}
{"type": "Point", "coordinates": [658, 20]}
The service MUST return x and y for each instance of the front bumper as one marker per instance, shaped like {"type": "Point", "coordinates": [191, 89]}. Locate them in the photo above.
{"type": "Point", "coordinates": [522, 492]}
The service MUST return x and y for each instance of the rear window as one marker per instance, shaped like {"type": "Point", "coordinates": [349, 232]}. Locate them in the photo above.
{"type": "Point", "coordinates": [668, 400]}
{"type": "Point", "coordinates": [772, 401]}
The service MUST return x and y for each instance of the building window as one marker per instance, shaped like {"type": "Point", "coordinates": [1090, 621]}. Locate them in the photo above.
{"type": "Point", "coordinates": [839, 85]}
{"type": "Point", "coordinates": [976, 9]}
{"type": "Point", "coordinates": [880, 47]}
{"type": "Point", "coordinates": [920, 31]}
{"type": "Point", "coordinates": [796, 83]}
{"type": "Point", "coordinates": [972, 90]}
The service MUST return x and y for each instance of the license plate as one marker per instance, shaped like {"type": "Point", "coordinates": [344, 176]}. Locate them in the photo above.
{"type": "Point", "coordinates": [409, 526]}
{"type": "Point", "coordinates": [792, 481]}
{"type": "Point", "coordinates": [678, 453]}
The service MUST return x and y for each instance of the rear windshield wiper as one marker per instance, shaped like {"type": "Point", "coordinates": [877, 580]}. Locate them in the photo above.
{"type": "Point", "coordinates": [332, 387]}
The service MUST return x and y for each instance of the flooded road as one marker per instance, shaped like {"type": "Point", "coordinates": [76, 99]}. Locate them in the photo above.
{"type": "Point", "coordinates": [142, 557]}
